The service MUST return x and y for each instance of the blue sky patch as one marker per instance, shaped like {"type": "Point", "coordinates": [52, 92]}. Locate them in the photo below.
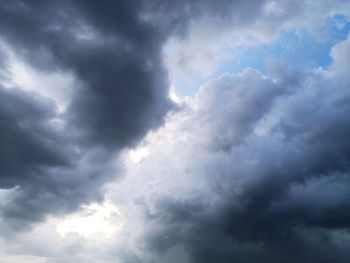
{"type": "Point", "coordinates": [298, 46]}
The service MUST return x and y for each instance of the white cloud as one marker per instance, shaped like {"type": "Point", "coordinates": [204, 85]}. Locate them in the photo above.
{"type": "Point", "coordinates": [93, 222]}
{"type": "Point", "coordinates": [212, 40]}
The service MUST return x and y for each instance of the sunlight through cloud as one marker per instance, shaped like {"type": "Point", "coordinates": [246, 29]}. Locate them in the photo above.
{"type": "Point", "coordinates": [93, 221]}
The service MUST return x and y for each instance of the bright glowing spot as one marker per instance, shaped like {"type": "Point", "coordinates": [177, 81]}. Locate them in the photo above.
{"type": "Point", "coordinates": [173, 96]}
{"type": "Point", "coordinates": [94, 222]}
{"type": "Point", "coordinates": [138, 154]}
{"type": "Point", "coordinates": [22, 75]}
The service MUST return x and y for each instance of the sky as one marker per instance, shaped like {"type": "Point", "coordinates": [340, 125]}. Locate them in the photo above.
{"type": "Point", "coordinates": [189, 131]}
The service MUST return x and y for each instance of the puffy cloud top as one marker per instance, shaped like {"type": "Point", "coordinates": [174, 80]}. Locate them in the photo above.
{"type": "Point", "coordinates": [253, 168]}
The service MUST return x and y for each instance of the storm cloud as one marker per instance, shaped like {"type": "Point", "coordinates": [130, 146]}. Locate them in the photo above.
{"type": "Point", "coordinates": [255, 167]}
{"type": "Point", "coordinates": [122, 93]}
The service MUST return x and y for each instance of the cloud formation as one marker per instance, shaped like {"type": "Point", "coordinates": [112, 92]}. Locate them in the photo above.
{"type": "Point", "coordinates": [253, 168]}
{"type": "Point", "coordinates": [120, 93]}
{"type": "Point", "coordinates": [258, 171]}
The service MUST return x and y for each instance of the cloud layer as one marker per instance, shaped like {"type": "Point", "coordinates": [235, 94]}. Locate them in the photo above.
{"type": "Point", "coordinates": [120, 93]}
{"type": "Point", "coordinates": [253, 168]}
{"type": "Point", "coordinates": [257, 171]}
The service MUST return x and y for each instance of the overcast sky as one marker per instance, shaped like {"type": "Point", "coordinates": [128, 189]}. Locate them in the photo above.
{"type": "Point", "coordinates": [188, 131]}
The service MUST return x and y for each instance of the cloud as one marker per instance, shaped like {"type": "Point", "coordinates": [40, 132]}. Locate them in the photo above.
{"type": "Point", "coordinates": [118, 94]}
{"type": "Point", "coordinates": [114, 55]}
{"type": "Point", "coordinates": [240, 24]}
{"type": "Point", "coordinates": [41, 163]}
{"type": "Point", "coordinates": [255, 171]}
{"type": "Point", "coordinates": [254, 168]}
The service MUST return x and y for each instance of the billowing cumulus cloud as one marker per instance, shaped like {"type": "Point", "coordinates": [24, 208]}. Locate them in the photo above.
{"type": "Point", "coordinates": [257, 171]}
{"type": "Point", "coordinates": [252, 168]}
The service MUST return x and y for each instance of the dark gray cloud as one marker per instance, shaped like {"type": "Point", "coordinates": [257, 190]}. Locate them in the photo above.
{"type": "Point", "coordinates": [258, 169]}
{"type": "Point", "coordinates": [122, 94]}
{"type": "Point", "coordinates": [43, 166]}
{"type": "Point", "coordinates": [27, 138]}
{"type": "Point", "coordinates": [124, 85]}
